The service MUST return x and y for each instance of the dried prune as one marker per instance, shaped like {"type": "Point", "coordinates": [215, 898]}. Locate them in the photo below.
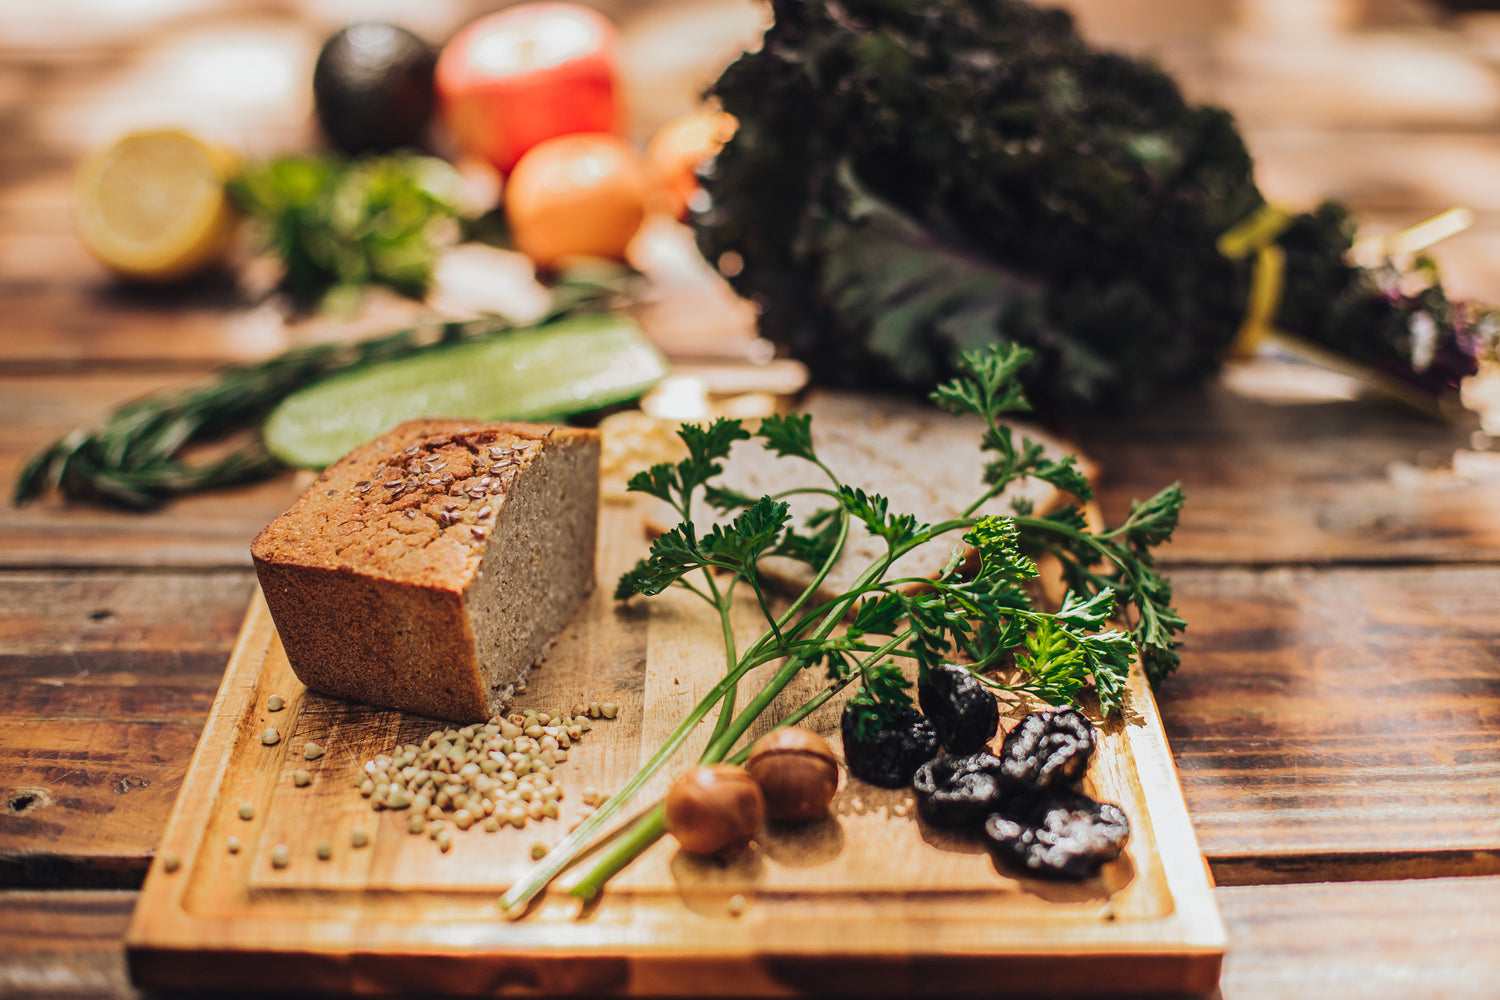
{"type": "Point", "coordinates": [961, 709]}
{"type": "Point", "coordinates": [958, 791]}
{"type": "Point", "coordinates": [1048, 749]}
{"type": "Point", "coordinates": [889, 755]}
{"type": "Point", "coordinates": [1058, 834]}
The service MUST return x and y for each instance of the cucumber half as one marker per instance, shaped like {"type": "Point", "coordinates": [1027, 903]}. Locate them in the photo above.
{"type": "Point", "coordinates": [572, 366]}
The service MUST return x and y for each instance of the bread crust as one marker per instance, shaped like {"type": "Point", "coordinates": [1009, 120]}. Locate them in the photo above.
{"type": "Point", "coordinates": [427, 570]}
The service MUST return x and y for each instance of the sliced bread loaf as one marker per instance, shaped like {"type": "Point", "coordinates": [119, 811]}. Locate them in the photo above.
{"type": "Point", "coordinates": [428, 569]}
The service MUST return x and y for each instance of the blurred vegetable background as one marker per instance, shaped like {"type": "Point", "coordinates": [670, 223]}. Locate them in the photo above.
{"type": "Point", "coordinates": [896, 184]}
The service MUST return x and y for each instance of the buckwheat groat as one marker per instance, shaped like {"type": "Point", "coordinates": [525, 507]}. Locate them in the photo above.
{"type": "Point", "coordinates": [427, 570]}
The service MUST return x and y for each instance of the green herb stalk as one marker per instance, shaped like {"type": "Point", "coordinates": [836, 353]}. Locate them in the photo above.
{"type": "Point", "coordinates": [985, 619]}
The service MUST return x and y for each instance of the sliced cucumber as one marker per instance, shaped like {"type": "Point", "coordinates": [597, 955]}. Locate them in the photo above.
{"type": "Point", "coordinates": [568, 367]}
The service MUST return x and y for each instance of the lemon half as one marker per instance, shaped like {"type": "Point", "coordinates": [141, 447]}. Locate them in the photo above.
{"type": "Point", "coordinates": [153, 207]}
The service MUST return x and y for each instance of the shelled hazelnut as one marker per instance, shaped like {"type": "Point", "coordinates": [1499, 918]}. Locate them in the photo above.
{"type": "Point", "coordinates": [714, 809]}
{"type": "Point", "coordinates": [797, 771]}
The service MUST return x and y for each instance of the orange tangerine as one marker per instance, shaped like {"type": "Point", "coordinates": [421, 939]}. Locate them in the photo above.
{"type": "Point", "coordinates": [575, 195]}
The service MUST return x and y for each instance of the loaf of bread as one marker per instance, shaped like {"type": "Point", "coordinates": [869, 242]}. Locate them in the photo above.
{"type": "Point", "coordinates": [428, 570]}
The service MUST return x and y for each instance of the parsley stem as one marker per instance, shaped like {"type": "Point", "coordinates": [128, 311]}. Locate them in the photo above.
{"type": "Point", "coordinates": [568, 849]}
{"type": "Point", "coordinates": [650, 827]}
{"type": "Point", "coordinates": [626, 848]}
{"type": "Point", "coordinates": [724, 604]}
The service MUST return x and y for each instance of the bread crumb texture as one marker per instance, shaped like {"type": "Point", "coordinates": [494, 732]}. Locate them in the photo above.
{"type": "Point", "coordinates": [427, 569]}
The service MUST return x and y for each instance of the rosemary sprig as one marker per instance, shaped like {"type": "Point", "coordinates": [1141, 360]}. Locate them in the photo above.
{"type": "Point", "coordinates": [136, 458]}
{"type": "Point", "coordinates": [985, 619]}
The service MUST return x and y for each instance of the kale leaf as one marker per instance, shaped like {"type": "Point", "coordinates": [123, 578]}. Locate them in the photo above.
{"type": "Point", "coordinates": [912, 180]}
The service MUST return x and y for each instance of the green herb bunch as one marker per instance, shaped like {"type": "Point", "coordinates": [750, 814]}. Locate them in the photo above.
{"type": "Point", "coordinates": [341, 225]}
{"type": "Point", "coordinates": [912, 180]}
{"type": "Point", "coordinates": [978, 611]}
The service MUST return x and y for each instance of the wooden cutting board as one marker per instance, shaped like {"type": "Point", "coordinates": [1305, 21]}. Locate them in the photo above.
{"type": "Point", "coordinates": [867, 901]}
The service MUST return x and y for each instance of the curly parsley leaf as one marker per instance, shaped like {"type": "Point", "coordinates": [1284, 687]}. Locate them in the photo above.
{"type": "Point", "coordinates": [879, 615]}
{"type": "Point", "coordinates": [725, 499]}
{"type": "Point", "coordinates": [789, 436]}
{"type": "Point", "coordinates": [1081, 613]}
{"type": "Point", "coordinates": [1066, 476]}
{"type": "Point", "coordinates": [674, 554]}
{"type": "Point", "coordinates": [1152, 522]}
{"type": "Point", "coordinates": [659, 481]}
{"type": "Point", "coordinates": [999, 548]}
{"type": "Point", "coordinates": [1014, 463]}
{"type": "Point", "coordinates": [1109, 655]}
{"type": "Point", "coordinates": [744, 540]}
{"type": "Point", "coordinates": [988, 384]}
{"type": "Point", "coordinates": [736, 547]}
{"type": "Point", "coordinates": [707, 447]}
{"type": "Point", "coordinates": [1053, 664]}
{"type": "Point", "coordinates": [874, 511]}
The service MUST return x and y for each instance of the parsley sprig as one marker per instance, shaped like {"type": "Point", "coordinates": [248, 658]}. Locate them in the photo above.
{"type": "Point", "coordinates": [979, 610]}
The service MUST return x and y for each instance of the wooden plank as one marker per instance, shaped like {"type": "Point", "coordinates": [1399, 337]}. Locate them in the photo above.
{"type": "Point", "coordinates": [105, 679]}
{"type": "Point", "coordinates": [64, 944]}
{"type": "Point", "coordinates": [1340, 723]}
{"type": "Point", "coordinates": [1299, 479]}
{"type": "Point", "coordinates": [926, 900]}
{"type": "Point", "coordinates": [1431, 939]}
{"type": "Point", "coordinates": [65, 312]}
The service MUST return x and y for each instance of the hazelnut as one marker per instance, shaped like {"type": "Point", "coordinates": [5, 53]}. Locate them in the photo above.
{"type": "Point", "coordinates": [797, 771]}
{"type": "Point", "coordinates": [715, 808]}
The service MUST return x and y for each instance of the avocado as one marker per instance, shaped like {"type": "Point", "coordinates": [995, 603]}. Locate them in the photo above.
{"type": "Point", "coordinates": [372, 87]}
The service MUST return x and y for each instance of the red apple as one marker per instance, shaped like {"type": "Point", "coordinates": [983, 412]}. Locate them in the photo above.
{"type": "Point", "coordinates": [528, 73]}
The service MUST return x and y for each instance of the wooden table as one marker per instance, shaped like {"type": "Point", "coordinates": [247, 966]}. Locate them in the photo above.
{"type": "Point", "coordinates": [1336, 722]}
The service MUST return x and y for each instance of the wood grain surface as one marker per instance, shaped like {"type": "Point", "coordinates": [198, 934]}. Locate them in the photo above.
{"type": "Point", "coordinates": [1341, 723]}
{"type": "Point", "coordinates": [866, 901]}
{"type": "Point", "coordinates": [1342, 697]}
{"type": "Point", "coordinates": [64, 944]}
{"type": "Point", "coordinates": [1331, 563]}
{"type": "Point", "coordinates": [1362, 941]}
{"type": "Point", "coordinates": [1277, 469]}
{"type": "Point", "coordinates": [105, 680]}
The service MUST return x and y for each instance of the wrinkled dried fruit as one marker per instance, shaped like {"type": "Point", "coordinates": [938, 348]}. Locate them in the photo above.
{"type": "Point", "coordinates": [959, 791]}
{"type": "Point", "coordinates": [890, 755]}
{"type": "Point", "coordinates": [1049, 749]}
{"type": "Point", "coordinates": [961, 709]}
{"type": "Point", "coordinates": [1058, 834]}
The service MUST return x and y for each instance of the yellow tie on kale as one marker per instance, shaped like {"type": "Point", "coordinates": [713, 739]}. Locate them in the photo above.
{"type": "Point", "coordinates": [1258, 234]}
